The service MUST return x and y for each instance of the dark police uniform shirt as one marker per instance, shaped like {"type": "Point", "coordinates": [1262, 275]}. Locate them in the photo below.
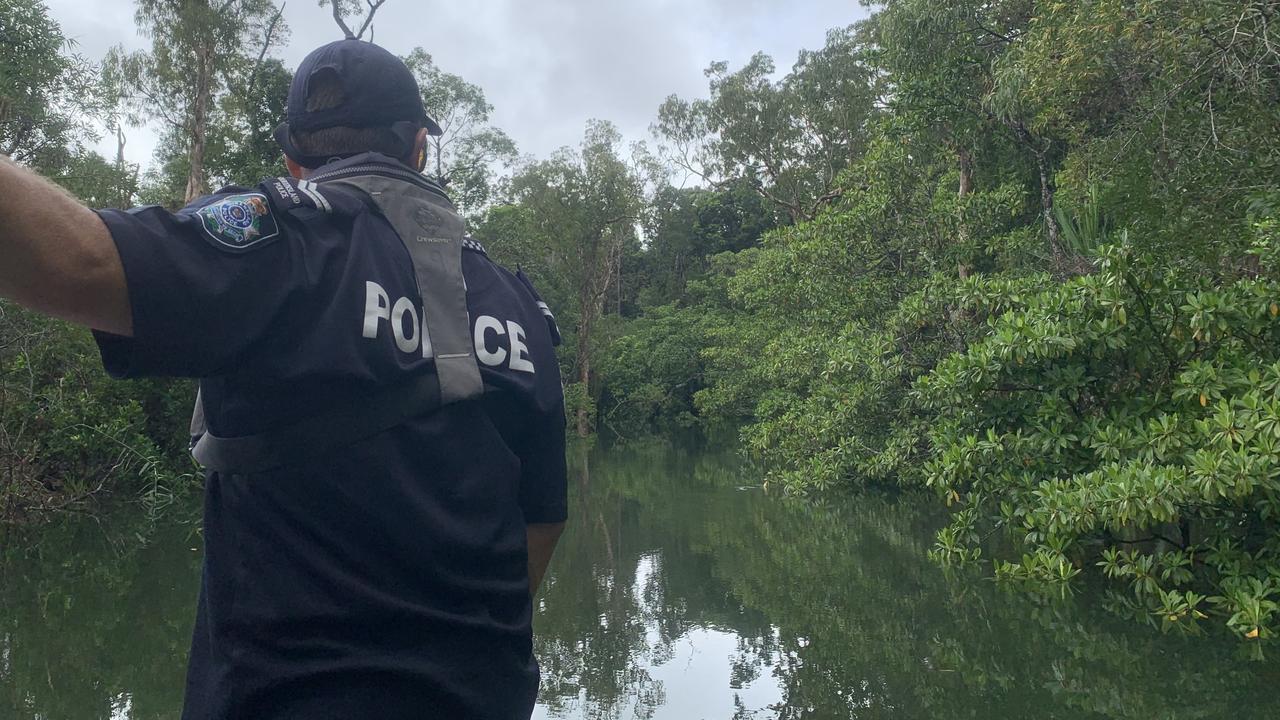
{"type": "Point", "coordinates": [387, 578]}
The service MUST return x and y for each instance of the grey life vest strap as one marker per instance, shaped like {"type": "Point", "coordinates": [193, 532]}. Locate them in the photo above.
{"type": "Point", "coordinates": [291, 444]}
{"type": "Point", "coordinates": [432, 232]}
{"type": "Point", "coordinates": [198, 426]}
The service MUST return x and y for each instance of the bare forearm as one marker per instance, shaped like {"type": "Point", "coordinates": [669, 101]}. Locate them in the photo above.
{"type": "Point", "coordinates": [56, 256]}
{"type": "Point", "coordinates": [542, 543]}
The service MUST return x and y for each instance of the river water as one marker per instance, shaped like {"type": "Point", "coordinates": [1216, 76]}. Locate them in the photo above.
{"type": "Point", "coordinates": [681, 590]}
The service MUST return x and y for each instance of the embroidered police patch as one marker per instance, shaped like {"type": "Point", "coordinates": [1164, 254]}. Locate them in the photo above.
{"type": "Point", "coordinates": [238, 222]}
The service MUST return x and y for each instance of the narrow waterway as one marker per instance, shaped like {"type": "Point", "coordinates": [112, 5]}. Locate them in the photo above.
{"type": "Point", "coordinates": [681, 591]}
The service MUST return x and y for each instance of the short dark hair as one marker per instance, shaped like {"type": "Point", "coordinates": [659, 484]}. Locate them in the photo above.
{"type": "Point", "coordinates": [324, 92]}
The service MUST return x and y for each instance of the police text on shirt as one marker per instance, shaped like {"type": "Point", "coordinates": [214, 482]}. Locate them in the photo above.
{"type": "Point", "coordinates": [409, 328]}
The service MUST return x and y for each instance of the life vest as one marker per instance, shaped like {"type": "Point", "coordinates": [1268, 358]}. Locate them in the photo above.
{"type": "Point", "coordinates": [433, 233]}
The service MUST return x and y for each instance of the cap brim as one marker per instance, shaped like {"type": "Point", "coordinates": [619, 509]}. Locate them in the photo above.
{"type": "Point", "coordinates": [433, 127]}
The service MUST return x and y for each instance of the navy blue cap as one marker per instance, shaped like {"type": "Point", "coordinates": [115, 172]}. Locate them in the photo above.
{"type": "Point", "coordinates": [378, 91]}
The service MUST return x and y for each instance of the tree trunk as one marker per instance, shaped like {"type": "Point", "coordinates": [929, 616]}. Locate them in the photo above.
{"type": "Point", "coordinates": [1040, 149]}
{"type": "Point", "coordinates": [592, 295]}
{"type": "Point", "coordinates": [125, 193]}
{"type": "Point", "coordinates": [966, 172]}
{"type": "Point", "coordinates": [966, 189]}
{"type": "Point", "coordinates": [1047, 190]}
{"type": "Point", "coordinates": [588, 304]}
{"type": "Point", "coordinates": [200, 121]}
{"type": "Point", "coordinates": [584, 371]}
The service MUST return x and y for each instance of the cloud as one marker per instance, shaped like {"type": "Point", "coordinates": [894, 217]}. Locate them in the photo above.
{"type": "Point", "coordinates": [548, 66]}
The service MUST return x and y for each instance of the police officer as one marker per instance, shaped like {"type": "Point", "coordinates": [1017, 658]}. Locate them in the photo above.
{"type": "Point", "coordinates": [381, 417]}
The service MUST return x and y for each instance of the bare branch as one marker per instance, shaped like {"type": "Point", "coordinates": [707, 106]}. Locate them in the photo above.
{"type": "Point", "coordinates": [266, 45]}
{"type": "Point", "coordinates": [337, 17]}
{"type": "Point", "coordinates": [373, 9]}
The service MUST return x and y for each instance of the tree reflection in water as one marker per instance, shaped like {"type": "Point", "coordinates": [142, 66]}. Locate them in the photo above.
{"type": "Point", "coordinates": [677, 572]}
{"type": "Point", "coordinates": [95, 616]}
{"type": "Point", "coordinates": [680, 591]}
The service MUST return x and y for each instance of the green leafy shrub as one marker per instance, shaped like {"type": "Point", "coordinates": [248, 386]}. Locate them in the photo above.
{"type": "Point", "coordinates": [576, 397]}
{"type": "Point", "coordinates": [840, 315]}
{"type": "Point", "coordinates": [68, 433]}
{"type": "Point", "coordinates": [653, 371]}
{"type": "Point", "coordinates": [1127, 420]}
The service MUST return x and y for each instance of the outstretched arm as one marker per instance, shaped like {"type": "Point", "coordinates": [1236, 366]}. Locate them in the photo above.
{"type": "Point", "coordinates": [56, 256]}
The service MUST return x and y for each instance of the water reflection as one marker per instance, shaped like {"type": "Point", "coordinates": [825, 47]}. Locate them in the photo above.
{"type": "Point", "coordinates": [95, 617]}
{"type": "Point", "coordinates": [679, 591]}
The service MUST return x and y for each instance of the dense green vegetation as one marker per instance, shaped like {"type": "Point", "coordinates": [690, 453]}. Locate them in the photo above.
{"type": "Point", "coordinates": [1022, 257]}
{"type": "Point", "coordinates": [1020, 254]}
{"type": "Point", "coordinates": [68, 434]}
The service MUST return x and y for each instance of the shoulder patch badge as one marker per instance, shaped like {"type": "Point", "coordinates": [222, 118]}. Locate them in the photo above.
{"type": "Point", "coordinates": [239, 222]}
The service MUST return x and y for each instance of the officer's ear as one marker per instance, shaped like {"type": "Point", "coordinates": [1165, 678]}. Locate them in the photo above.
{"type": "Point", "coordinates": [296, 170]}
{"type": "Point", "coordinates": [419, 156]}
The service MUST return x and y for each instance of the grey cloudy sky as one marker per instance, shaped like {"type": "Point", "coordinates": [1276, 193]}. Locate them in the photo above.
{"type": "Point", "coordinates": [547, 66]}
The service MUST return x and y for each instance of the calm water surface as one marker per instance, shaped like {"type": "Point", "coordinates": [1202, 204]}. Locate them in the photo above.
{"type": "Point", "coordinates": [679, 591]}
